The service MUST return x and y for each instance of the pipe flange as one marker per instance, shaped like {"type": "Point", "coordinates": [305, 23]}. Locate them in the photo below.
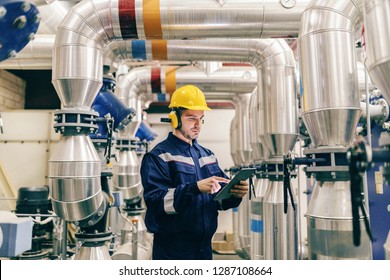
{"type": "Point", "coordinates": [95, 217]}
{"type": "Point", "coordinates": [75, 122]}
{"type": "Point", "coordinates": [93, 239]}
{"type": "Point", "coordinates": [274, 170]}
{"type": "Point", "coordinates": [126, 144]}
{"type": "Point", "coordinates": [385, 111]}
{"type": "Point", "coordinates": [334, 167]}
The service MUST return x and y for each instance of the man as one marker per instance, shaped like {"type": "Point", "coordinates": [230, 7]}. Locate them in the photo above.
{"type": "Point", "coordinates": [180, 180]}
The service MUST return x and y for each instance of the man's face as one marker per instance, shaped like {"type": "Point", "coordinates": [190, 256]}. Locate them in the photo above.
{"type": "Point", "coordinates": [191, 124]}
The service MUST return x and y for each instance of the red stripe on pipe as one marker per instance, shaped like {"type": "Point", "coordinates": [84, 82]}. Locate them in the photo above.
{"type": "Point", "coordinates": [127, 21]}
{"type": "Point", "coordinates": [155, 79]}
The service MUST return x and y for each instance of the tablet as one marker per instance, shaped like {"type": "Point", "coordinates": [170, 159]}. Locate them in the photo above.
{"type": "Point", "coordinates": [242, 175]}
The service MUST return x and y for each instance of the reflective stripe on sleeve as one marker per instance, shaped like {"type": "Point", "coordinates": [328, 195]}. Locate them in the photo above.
{"type": "Point", "coordinates": [168, 202]}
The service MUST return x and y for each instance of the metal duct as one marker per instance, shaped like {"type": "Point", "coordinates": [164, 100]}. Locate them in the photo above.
{"type": "Point", "coordinates": [233, 142]}
{"type": "Point", "coordinates": [331, 109]}
{"type": "Point", "coordinates": [258, 152]}
{"type": "Point", "coordinates": [377, 39]}
{"type": "Point", "coordinates": [91, 25]}
{"type": "Point", "coordinates": [379, 112]}
{"type": "Point", "coordinates": [126, 174]}
{"type": "Point", "coordinates": [52, 15]}
{"type": "Point", "coordinates": [330, 226]}
{"type": "Point", "coordinates": [257, 219]}
{"type": "Point", "coordinates": [280, 229]}
{"type": "Point", "coordinates": [75, 179]}
{"type": "Point", "coordinates": [329, 76]}
{"type": "Point", "coordinates": [243, 145]}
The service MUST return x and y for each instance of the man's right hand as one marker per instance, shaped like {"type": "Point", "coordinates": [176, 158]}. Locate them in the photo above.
{"type": "Point", "coordinates": [211, 185]}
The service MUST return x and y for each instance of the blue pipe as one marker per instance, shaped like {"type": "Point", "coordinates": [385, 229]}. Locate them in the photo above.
{"type": "Point", "coordinates": [145, 132]}
{"type": "Point", "coordinates": [19, 21]}
{"type": "Point", "coordinates": [106, 102]}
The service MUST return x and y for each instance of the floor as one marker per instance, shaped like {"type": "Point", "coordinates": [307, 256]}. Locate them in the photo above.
{"type": "Point", "coordinates": [225, 257]}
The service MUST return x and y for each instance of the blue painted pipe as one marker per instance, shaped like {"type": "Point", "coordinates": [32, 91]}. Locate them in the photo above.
{"type": "Point", "coordinates": [19, 21]}
{"type": "Point", "coordinates": [108, 103]}
{"type": "Point", "coordinates": [145, 132]}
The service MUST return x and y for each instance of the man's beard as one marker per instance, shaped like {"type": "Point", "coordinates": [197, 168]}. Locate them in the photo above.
{"type": "Point", "coordinates": [188, 136]}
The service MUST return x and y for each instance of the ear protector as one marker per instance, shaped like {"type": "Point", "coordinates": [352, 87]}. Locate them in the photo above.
{"type": "Point", "coordinates": [175, 118]}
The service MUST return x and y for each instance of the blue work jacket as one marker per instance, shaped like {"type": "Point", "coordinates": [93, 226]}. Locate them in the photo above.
{"type": "Point", "coordinates": [177, 212]}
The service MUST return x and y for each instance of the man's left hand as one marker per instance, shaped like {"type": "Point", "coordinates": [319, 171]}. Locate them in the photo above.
{"type": "Point", "coordinates": [240, 190]}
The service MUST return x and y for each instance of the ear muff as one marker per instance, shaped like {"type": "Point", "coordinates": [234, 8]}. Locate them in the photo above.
{"type": "Point", "coordinates": [174, 115]}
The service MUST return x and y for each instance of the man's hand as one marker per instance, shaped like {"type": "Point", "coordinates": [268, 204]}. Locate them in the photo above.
{"type": "Point", "coordinates": [240, 190]}
{"type": "Point", "coordinates": [211, 185]}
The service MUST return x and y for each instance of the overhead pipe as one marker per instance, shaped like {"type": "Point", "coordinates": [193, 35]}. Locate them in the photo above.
{"type": "Point", "coordinates": [331, 110]}
{"type": "Point", "coordinates": [89, 26]}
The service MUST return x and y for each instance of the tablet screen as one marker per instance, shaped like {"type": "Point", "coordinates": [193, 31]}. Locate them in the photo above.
{"type": "Point", "coordinates": [242, 175]}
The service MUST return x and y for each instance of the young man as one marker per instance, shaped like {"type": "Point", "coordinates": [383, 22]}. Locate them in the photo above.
{"type": "Point", "coordinates": [180, 180]}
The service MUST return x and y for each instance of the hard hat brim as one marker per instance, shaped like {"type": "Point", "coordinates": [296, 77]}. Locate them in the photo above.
{"type": "Point", "coordinates": [195, 108]}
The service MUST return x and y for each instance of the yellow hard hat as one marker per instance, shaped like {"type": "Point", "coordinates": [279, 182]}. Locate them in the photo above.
{"type": "Point", "coordinates": [189, 97]}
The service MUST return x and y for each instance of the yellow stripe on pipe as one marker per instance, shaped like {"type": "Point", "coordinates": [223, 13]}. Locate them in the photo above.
{"type": "Point", "coordinates": [159, 50]}
{"type": "Point", "coordinates": [170, 79]}
{"type": "Point", "coordinates": [152, 19]}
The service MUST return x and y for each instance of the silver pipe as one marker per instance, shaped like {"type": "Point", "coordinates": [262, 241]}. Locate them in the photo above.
{"type": "Point", "coordinates": [52, 15]}
{"type": "Point", "coordinates": [233, 144]}
{"type": "Point", "coordinates": [257, 219]}
{"type": "Point", "coordinates": [258, 152]}
{"type": "Point", "coordinates": [126, 174]}
{"type": "Point", "coordinates": [280, 229]}
{"type": "Point", "coordinates": [329, 76]}
{"type": "Point", "coordinates": [90, 26]}
{"type": "Point", "coordinates": [243, 146]}
{"type": "Point", "coordinates": [74, 178]}
{"type": "Point", "coordinates": [377, 39]}
{"type": "Point", "coordinates": [245, 19]}
{"type": "Point", "coordinates": [331, 96]}
{"type": "Point", "coordinates": [378, 112]}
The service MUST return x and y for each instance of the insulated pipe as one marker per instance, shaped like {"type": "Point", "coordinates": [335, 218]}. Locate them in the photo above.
{"type": "Point", "coordinates": [328, 66]}
{"type": "Point", "coordinates": [243, 145]}
{"type": "Point", "coordinates": [331, 110]}
{"type": "Point", "coordinates": [233, 144]}
{"type": "Point", "coordinates": [377, 39]}
{"type": "Point", "coordinates": [91, 25]}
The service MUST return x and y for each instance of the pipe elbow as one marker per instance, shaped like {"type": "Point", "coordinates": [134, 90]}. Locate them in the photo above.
{"type": "Point", "coordinates": [327, 15]}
